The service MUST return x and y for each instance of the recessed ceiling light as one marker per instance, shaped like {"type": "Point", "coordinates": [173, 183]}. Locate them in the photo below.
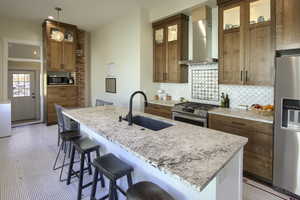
{"type": "Point", "coordinates": [50, 17]}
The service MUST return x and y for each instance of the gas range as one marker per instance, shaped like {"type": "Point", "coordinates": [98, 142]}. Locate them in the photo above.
{"type": "Point", "coordinates": [192, 112]}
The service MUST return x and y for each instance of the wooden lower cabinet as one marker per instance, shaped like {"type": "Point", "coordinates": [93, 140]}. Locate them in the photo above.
{"type": "Point", "coordinates": [66, 96]}
{"type": "Point", "coordinates": [258, 153]}
{"type": "Point", "coordinates": [159, 110]}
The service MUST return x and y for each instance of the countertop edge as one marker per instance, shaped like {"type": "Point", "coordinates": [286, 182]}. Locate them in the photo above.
{"type": "Point", "coordinates": [241, 117]}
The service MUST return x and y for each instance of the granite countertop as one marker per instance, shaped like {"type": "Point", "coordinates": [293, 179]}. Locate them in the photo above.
{"type": "Point", "coordinates": [170, 103]}
{"type": "Point", "coordinates": [191, 154]}
{"type": "Point", "coordinates": [242, 114]}
{"type": "Point", "coordinates": [5, 101]}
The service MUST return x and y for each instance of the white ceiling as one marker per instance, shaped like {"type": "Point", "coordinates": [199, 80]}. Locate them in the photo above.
{"type": "Point", "coordinates": [87, 14]}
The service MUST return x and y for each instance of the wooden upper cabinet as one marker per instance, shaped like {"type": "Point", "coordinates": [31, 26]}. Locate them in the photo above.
{"type": "Point", "coordinates": [170, 46]}
{"type": "Point", "coordinates": [159, 54]}
{"type": "Point", "coordinates": [260, 47]}
{"type": "Point", "coordinates": [287, 24]}
{"type": "Point", "coordinates": [69, 57]}
{"type": "Point", "coordinates": [60, 55]}
{"type": "Point", "coordinates": [230, 44]}
{"type": "Point", "coordinates": [246, 44]}
{"type": "Point", "coordinates": [55, 55]}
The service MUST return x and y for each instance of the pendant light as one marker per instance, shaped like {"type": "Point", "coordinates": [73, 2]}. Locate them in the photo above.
{"type": "Point", "coordinates": [57, 34]}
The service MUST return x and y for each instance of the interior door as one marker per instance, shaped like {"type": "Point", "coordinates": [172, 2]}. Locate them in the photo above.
{"type": "Point", "coordinates": [22, 93]}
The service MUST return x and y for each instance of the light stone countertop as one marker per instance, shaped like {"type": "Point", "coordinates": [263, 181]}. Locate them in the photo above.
{"type": "Point", "coordinates": [242, 114]}
{"type": "Point", "coordinates": [5, 101]}
{"type": "Point", "coordinates": [164, 102]}
{"type": "Point", "coordinates": [188, 153]}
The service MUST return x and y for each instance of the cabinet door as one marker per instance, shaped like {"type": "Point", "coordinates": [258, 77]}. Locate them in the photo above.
{"type": "Point", "coordinates": [69, 58]}
{"type": "Point", "coordinates": [173, 53]}
{"type": "Point", "coordinates": [259, 67]}
{"type": "Point", "coordinates": [231, 49]}
{"type": "Point", "coordinates": [287, 24]}
{"type": "Point", "coordinates": [258, 153]}
{"type": "Point", "coordinates": [159, 54]}
{"type": "Point", "coordinates": [54, 55]}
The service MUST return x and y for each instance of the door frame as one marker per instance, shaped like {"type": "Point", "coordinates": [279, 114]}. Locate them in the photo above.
{"type": "Point", "coordinates": [39, 43]}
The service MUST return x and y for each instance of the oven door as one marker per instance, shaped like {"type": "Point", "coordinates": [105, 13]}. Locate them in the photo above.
{"type": "Point", "coordinates": [198, 121]}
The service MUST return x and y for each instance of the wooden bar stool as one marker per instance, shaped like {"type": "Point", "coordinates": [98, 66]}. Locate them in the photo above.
{"type": "Point", "coordinates": [84, 146]}
{"type": "Point", "coordinates": [147, 191]}
{"type": "Point", "coordinates": [113, 168]}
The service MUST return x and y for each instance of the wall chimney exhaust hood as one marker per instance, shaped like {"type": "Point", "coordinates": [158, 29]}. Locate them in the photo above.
{"type": "Point", "coordinates": [202, 37]}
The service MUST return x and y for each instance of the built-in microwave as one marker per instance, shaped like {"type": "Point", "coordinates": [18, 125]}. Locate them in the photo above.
{"type": "Point", "coordinates": [58, 80]}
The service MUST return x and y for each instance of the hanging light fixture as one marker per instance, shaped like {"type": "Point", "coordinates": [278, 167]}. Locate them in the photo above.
{"type": "Point", "coordinates": [57, 34]}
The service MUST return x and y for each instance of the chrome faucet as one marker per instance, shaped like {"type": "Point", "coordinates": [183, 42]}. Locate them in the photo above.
{"type": "Point", "coordinates": [129, 116]}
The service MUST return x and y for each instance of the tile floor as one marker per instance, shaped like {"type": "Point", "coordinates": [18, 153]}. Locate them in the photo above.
{"type": "Point", "coordinates": [26, 169]}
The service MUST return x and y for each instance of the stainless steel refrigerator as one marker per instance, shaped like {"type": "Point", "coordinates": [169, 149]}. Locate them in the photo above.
{"type": "Point", "coordinates": [286, 172]}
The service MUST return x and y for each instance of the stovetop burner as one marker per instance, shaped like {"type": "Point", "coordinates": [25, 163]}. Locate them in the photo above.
{"type": "Point", "coordinates": [194, 108]}
{"type": "Point", "coordinates": [194, 105]}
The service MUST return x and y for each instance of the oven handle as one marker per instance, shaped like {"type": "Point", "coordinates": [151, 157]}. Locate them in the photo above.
{"type": "Point", "coordinates": [175, 114]}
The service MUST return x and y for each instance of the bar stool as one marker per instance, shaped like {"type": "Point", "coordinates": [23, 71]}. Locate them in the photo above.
{"type": "Point", "coordinates": [67, 136]}
{"type": "Point", "coordinates": [113, 168]}
{"type": "Point", "coordinates": [64, 124]}
{"type": "Point", "coordinates": [84, 146]}
{"type": "Point", "coordinates": [100, 102]}
{"type": "Point", "coordinates": [147, 191]}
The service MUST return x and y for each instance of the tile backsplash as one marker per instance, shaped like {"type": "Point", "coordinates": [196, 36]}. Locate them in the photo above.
{"type": "Point", "coordinates": [238, 94]}
{"type": "Point", "coordinates": [248, 95]}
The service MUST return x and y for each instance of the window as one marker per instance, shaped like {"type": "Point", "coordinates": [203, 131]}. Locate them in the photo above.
{"type": "Point", "coordinates": [21, 85]}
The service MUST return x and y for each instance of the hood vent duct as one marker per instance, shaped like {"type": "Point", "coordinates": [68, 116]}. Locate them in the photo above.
{"type": "Point", "coordinates": [202, 37]}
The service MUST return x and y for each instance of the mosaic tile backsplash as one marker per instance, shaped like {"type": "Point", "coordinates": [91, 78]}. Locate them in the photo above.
{"type": "Point", "coordinates": [238, 94]}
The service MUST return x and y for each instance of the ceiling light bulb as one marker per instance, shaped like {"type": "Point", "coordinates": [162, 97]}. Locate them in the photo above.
{"type": "Point", "coordinates": [50, 17]}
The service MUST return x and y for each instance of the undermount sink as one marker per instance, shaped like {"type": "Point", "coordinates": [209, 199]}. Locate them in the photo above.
{"type": "Point", "coordinates": [149, 123]}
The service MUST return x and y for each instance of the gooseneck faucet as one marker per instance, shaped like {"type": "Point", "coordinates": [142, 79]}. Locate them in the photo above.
{"type": "Point", "coordinates": [129, 116]}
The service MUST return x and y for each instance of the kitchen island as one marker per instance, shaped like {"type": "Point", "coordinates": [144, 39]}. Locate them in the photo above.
{"type": "Point", "coordinates": [190, 162]}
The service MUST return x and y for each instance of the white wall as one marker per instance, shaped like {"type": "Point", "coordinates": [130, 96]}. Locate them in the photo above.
{"type": "Point", "coordinates": [162, 9]}
{"type": "Point", "coordinates": [126, 42]}
{"type": "Point", "coordinates": [15, 30]}
{"type": "Point", "coordinates": [147, 56]}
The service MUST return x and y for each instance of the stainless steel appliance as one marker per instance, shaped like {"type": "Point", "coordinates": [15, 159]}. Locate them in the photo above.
{"type": "Point", "coordinates": [59, 80]}
{"type": "Point", "coordinates": [191, 112]}
{"type": "Point", "coordinates": [286, 172]}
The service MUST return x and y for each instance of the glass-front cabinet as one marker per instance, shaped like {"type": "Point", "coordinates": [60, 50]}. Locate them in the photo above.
{"type": "Point", "coordinates": [245, 46]}
{"type": "Point", "coordinates": [170, 47]}
{"type": "Point", "coordinates": [260, 11]}
{"type": "Point", "coordinates": [231, 17]}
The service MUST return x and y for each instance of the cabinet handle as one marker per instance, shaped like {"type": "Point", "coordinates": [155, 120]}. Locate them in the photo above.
{"type": "Point", "coordinates": [238, 123]}
{"type": "Point", "coordinates": [241, 75]}
{"type": "Point", "coordinates": [246, 76]}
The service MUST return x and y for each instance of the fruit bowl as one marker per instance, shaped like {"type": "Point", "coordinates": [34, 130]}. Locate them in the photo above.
{"type": "Point", "coordinates": [267, 110]}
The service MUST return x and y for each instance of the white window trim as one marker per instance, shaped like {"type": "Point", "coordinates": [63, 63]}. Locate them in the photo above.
{"type": "Point", "coordinates": [6, 41]}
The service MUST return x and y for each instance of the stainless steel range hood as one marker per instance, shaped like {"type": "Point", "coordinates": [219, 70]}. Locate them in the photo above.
{"type": "Point", "coordinates": [201, 37]}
